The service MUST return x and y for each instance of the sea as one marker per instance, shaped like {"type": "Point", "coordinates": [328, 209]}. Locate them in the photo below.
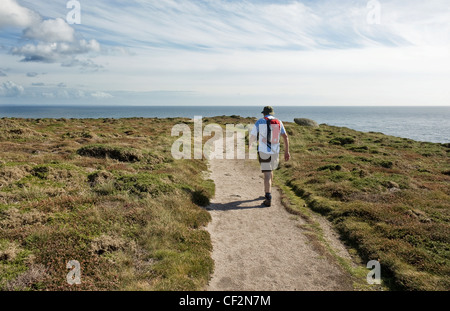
{"type": "Point", "coordinates": [430, 124]}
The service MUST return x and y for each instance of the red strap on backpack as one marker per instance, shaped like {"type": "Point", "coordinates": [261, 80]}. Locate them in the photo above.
{"type": "Point", "coordinates": [273, 131]}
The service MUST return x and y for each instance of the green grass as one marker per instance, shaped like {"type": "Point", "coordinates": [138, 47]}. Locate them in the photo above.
{"type": "Point", "coordinates": [106, 193]}
{"type": "Point", "coordinates": [388, 197]}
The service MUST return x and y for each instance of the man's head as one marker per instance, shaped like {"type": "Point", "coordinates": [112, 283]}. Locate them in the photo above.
{"type": "Point", "coordinates": [267, 110]}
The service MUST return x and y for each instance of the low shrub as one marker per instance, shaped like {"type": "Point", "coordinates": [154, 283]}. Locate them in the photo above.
{"type": "Point", "coordinates": [116, 153]}
{"type": "Point", "coordinates": [342, 141]}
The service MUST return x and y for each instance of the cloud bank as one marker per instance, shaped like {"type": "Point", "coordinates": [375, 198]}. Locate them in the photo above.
{"type": "Point", "coordinates": [11, 89]}
{"type": "Point", "coordinates": [268, 25]}
{"type": "Point", "coordinates": [60, 91]}
{"type": "Point", "coordinates": [14, 15]}
{"type": "Point", "coordinates": [48, 40]}
{"type": "Point", "coordinates": [309, 52]}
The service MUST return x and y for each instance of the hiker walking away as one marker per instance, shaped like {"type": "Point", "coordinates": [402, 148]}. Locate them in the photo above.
{"type": "Point", "coordinates": [269, 129]}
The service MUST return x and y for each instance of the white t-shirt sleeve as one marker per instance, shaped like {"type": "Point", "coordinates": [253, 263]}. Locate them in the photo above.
{"type": "Point", "coordinates": [283, 131]}
{"type": "Point", "coordinates": [254, 131]}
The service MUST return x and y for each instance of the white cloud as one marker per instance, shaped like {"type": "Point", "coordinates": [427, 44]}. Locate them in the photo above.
{"type": "Point", "coordinates": [50, 30]}
{"type": "Point", "coordinates": [101, 95]}
{"type": "Point", "coordinates": [58, 91]}
{"type": "Point", "coordinates": [86, 65]}
{"type": "Point", "coordinates": [49, 40]}
{"type": "Point", "coordinates": [418, 22]}
{"type": "Point", "coordinates": [48, 95]}
{"type": "Point", "coordinates": [50, 52]}
{"type": "Point", "coordinates": [11, 89]}
{"type": "Point", "coordinates": [15, 15]}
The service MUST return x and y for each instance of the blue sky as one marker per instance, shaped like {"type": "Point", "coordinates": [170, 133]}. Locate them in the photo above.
{"type": "Point", "coordinates": [143, 52]}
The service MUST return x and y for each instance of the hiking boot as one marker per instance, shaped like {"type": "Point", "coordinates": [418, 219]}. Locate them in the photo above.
{"type": "Point", "coordinates": [267, 202]}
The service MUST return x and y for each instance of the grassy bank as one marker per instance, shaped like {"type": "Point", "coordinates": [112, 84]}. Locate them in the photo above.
{"type": "Point", "coordinates": [105, 193]}
{"type": "Point", "coordinates": [388, 197]}
{"type": "Point", "coordinates": [108, 194]}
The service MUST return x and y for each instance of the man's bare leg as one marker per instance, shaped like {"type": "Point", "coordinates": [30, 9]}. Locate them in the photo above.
{"type": "Point", "coordinates": [268, 177]}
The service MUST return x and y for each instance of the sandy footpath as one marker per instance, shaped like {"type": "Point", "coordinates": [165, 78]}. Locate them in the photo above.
{"type": "Point", "coordinates": [259, 248]}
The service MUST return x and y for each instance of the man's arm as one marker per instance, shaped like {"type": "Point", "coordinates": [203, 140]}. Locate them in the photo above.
{"type": "Point", "coordinates": [287, 155]}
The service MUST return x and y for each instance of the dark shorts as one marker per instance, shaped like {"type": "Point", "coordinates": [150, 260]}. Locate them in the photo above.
{"type": "Point", "coordinates": [269, 162]}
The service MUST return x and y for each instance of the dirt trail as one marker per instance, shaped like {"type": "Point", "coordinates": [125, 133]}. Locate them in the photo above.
{"type": "Point", "coordinates": [259, 248]}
